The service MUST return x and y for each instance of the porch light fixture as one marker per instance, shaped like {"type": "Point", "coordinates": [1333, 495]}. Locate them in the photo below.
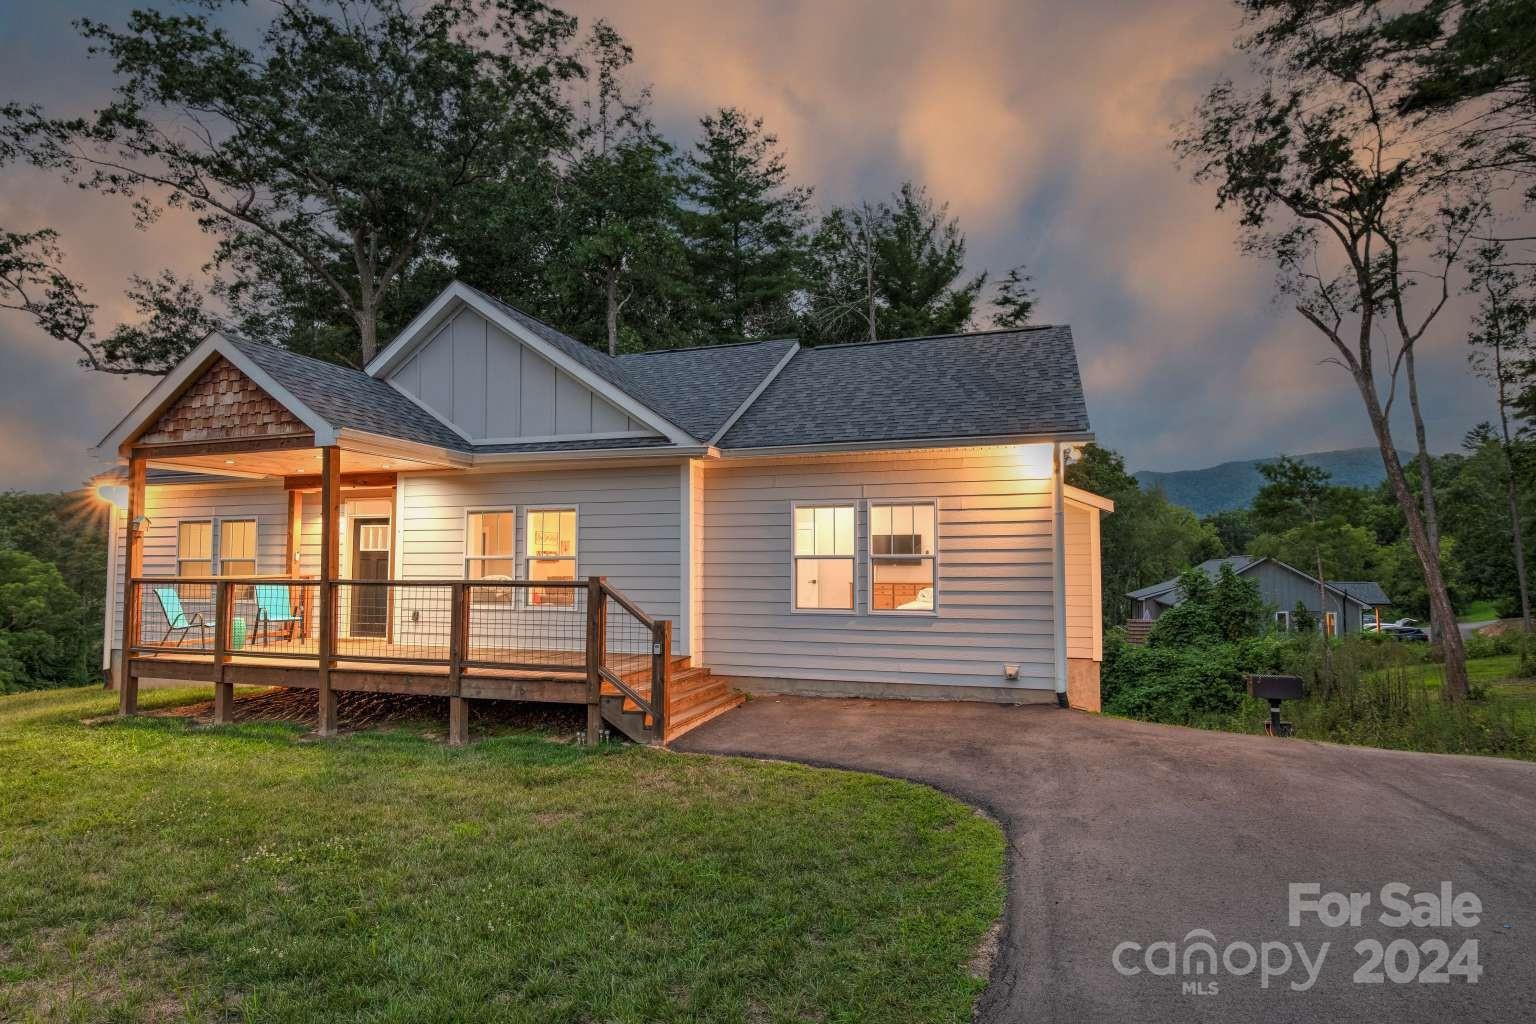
{"type": "Point", "coordinates": [113, 494]}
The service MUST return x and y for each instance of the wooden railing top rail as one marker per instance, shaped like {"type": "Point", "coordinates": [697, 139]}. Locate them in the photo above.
{"type": "Point", "coordinates": [313, 580]}
{"type": "Point", "coordinates": [628, 605]}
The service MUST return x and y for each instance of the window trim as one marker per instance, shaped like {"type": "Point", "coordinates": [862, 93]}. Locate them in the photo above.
{"type": "Point", "coordinates": [474, 510]}
{"type": "Point", "coordinates": [794, 559]}
{"type": "Point", "coordinates": [212, 559]}
{"type": "Point", "coordinates": [1283, 617]}
{"type": "Point", "coordinates": [933, 559]}
{"type": "Point", "coordinates": [218, 544]}
{"type": "Point", "coordinates": [529, 558]}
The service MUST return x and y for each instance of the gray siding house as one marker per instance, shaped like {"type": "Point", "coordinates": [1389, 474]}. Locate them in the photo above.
{"type": "Point", "coordinates": [490, 498]}
{"type": "Point", "coordinates": [1346, 606]}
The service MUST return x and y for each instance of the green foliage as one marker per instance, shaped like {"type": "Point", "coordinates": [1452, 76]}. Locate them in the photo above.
{"type": "Point", "coordinates": [1015, 299]}
{"type": "Point", "coordinates": [889, 270]}
{"type": "Point", "coordinates": [1234, 485]}
{"type": "Point", "coordinates": [1224, 610]}
{"type": "Point", "coordinates": [40, 625]}
{"type": "Point", "coordinates": [335, 150]}
{"type": "Point", "coordinates": [743, 225]}
{"type": "Point", "coordinates": [1180, 684]}
{"type": "Point", "coordinates": [1234, 528]}
{"type": "Point", "coordinates": [67, 532]}
{"type": "Point", "coordinates": [1147, 539]}
{"type": "Point", "coordinates": [1302, 619]}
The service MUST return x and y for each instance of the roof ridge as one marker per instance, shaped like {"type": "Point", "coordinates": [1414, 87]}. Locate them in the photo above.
{"type": "Point", "coordinates": [705, 348]}
{"type": "Point", "coordinates": [939, 337]}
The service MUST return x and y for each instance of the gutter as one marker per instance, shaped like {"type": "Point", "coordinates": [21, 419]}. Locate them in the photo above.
{"type": "Point", "coordinates": [1059, 568]}
{"type": "Point", "coordinates": [906, 444]}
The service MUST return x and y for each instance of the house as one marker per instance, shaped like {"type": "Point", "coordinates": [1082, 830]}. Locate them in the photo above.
{"type": "Point", "coordinates": [491, 509]}
{"type": "Point", "coordinates": [1347, 605]}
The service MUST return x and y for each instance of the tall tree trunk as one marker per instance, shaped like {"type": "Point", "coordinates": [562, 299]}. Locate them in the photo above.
{"type": "Point", "coordinates": [1511, 485]}
{"type": "Point", "coordinates": [612, 288]}
{"type": "Point", "coordinates": [1427, 490]}
{"type": "Point", "coordinates": [367, 319]}
{"type": "Point", "coordinates": [1449, 636]}
{"type": "Point", "coordinates": [869, 287]}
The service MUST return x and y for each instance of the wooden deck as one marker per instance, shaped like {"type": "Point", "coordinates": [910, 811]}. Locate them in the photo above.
{"type": "Point", "coordinates": [648, 696]}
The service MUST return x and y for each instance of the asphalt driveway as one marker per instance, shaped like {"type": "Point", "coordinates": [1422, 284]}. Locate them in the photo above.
{"type": "Point", "coordinates": [1122, 832]}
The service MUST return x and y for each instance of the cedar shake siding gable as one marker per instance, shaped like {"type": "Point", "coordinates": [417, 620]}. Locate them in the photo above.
{"type": "Point", "coordinates": [223, 403]}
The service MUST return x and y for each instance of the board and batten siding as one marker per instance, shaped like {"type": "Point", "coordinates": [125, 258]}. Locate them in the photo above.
{"type": "Point", "coordinates": [494, 388]}
{"type": "Point", "coordinates": [994, 569]}
{"type": "Point", "coordinates": [628, 524]}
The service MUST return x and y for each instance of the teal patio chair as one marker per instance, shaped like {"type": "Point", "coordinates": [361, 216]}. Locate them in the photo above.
{"type": "Point", "coordinates": [275, 608]}
{"type": "Point", "coordinates": [177, 620]}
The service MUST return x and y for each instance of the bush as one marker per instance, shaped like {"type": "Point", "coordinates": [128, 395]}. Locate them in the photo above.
{"type": "Point", "coordinates": [1180, 685]}
{"type": "Point", "coordinates": [1481, 646]}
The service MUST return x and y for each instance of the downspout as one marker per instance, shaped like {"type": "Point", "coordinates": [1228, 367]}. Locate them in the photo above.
{"type": "Point", "coordinates": [1059, 569]}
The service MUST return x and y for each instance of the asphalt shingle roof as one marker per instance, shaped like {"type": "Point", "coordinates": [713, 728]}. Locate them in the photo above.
{"type": "Point", "coordinates": [1365, 591]}
{"type": "Point", "coordinates": [1211, 567]}
{"type": "Point", "coordinates": [347, 398]}
{"type": "Point", "coordinates": [989, 384]}
{"type": "Point", "coordinates": [699, 388]}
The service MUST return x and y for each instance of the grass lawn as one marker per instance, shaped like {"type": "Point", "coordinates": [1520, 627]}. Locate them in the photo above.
{"type": "Point", "coordinates": [156, 870]}
{"type": "Point", "coordinates": [1478, 611]}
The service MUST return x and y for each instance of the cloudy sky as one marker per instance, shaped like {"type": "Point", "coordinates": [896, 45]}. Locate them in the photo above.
{"type": "Point", "coordinates": [1044, 125]}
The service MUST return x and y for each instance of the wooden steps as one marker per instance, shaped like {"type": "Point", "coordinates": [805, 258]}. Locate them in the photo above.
{"type": "Point", "coordinates": [694, 696]}
{"type": "Point", "coordinates": [1136, 630]}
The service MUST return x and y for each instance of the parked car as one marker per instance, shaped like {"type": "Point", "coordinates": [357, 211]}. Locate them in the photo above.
{"type": "Point", "coordinates": [1387, 627]}
{"type": "Point", "coordinates": [1406, 634]}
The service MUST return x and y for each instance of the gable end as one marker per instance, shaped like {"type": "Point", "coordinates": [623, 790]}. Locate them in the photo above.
{"type": "Point", "coordinates": [223, 403]}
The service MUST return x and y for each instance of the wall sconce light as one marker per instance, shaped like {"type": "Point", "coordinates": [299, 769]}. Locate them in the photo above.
{"type": "Point", "coordinates": [113, 494]}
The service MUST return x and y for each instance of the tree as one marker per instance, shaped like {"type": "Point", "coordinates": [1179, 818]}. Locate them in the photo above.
{"type": "Point", "coordinates": [334, 150]}
{"type": "Point", "coordinates": [920, 260]}
{"type": "Point", "coordinates": [618, 205]}
{"type": "Point", "coordinates": [67, 531]}
{"type": "Point", "coordinates": [1352, 213]}
{"type": "Point", "coordinates": [1148, 539]}
{"type": "Point", "coordinates": [744, 226]}
{"type": "Point", "coordinates": [1501, 343]}
{"type": "Point", "coordinates": [40, 625]}
{"type": "Point", "coordinates": [889, 270]}
{"type": "Point", "coordinates": [1015, 299]}
{"type": "Point", "coordinates": [1226, 609]}
{"type": "Point", "coordinates": [1234, 527]}
{"type": "Point", "coordinates": [843, 295]}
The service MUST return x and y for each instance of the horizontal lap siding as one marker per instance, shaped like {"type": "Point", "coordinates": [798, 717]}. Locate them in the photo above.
{"type": "Point", "coordinates": [166, 506]}
{"type": "Point", "coordinates": [628, 524]}
{"type": "Point", "coordinates": [994, 572]}
{"type": "Point", "coordinates": [1081, 612]}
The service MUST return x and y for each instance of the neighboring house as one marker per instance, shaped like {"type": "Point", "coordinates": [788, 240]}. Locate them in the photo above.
{"type": "Point", "coordinates": [1348, 605]}
{"type": "Point", "coordinates": [492, 509]}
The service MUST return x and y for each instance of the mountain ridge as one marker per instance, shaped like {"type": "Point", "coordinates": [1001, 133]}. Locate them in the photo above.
{"type": "Point", "coordinates": [1232, 485]}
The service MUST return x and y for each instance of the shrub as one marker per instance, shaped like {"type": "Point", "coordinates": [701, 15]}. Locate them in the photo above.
{"type": "Point", "coordinates": [1180, 685]}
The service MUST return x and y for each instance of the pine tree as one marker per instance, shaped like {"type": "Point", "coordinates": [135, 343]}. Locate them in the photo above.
{"type": "Point", "coordinates": [744, 227]}
{"type": "Point", "coordinates": [1015, 299]}
{"type": "Point", "coordinates": [920, 259]}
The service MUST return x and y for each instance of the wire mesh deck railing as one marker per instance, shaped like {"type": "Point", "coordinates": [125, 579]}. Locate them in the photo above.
{"type": "Point", "coordinates": [513, 625]}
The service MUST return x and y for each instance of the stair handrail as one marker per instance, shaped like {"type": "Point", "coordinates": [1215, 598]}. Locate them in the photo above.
{"type": "Point", "coordinates": [655, 704]}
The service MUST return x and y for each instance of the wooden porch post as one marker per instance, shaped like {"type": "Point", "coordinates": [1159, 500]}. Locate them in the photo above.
{"type": "Point", "coordinates": [128, 695]}
{"type": "Point", "coordinates": [597, 639]}
{"type": "Point", "coordinates": [223, 615]}
{"type": "Point", "coordinates": [330, 567]}
{"type": "Point", "coordinates": [661, 667]}
{"type": "Point", "coordinates": [458, 644]}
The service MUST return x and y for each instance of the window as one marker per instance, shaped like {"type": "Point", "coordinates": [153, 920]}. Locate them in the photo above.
{"type": "Point", "coordinates": [1330, 624]}
{"type": "Point", "coordinates": [551, 536]}
{"type": "Point", "coordinates": [901, 546]}
{"type": "Point", "coordinates": [489, 554]}
{"type": "Point", "coordinates": [194, 549]}
{"type": "Point", "coordinates": [1283, 621]}
{"type": "Point", "coordinates": [823, 557]}
{"type": "Point", "coordinates": [237, 547]}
